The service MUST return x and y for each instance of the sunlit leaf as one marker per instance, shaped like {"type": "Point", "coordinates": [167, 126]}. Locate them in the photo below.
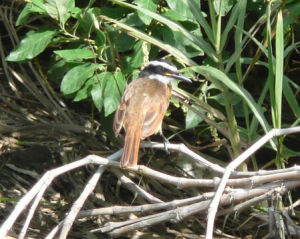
{"type": "Point", "coordinates": [32, 45]}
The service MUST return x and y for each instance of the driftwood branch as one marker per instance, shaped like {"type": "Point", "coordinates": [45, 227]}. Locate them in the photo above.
{"type": "Point", "coordinates": [232, 166]}
{"type": "Point", "coordinates": [249, 189]}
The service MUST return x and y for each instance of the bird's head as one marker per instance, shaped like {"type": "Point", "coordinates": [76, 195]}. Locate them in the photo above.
{"type": "Point", "coordinates": [163, 71]}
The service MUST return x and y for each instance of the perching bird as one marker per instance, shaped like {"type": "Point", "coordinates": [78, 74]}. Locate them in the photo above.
{"type": "Point", "coordinates": [143, 106]}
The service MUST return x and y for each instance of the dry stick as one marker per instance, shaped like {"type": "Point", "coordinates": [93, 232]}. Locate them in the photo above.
{"type": "Point", "coordinates": [33, 207]}
{"type": "Point", "coordinates": [77, 205]}
{"type": "Point", "coordinates": [89, 188]}
{"type": "Point", "coordinates": [185, 150]}
{"type": "Point", "coordinates": [131, 186]}
{"type": "Point", "coordinates": [175, 215]}
{"type": "Point", "coordinates": [179, 182]}
{"type": "Point", "coordinates": [31, 87]}
{"type": "Point", "coordinates": [50, 175]}
{"type": "Point", "coordinates": [213, 167]}
{"type": "Point", "coordinates": [54, 230]}
{"type": "Point", "coordinates": [69, 220]}
{"type": "Point", "coordinates": [246, 204]}
{"type": "Point", "coordinates": [116, 210]}
{"type": "Point", "coordinates": [212, 210]}
{"type": "Point", "coordinates": [182, 182]}
{"type": "Point", "coordinates": [47, 179]}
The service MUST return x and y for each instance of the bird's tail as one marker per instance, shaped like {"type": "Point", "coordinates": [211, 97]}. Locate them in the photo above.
{"type": "Point", "coordinates": [130, 153]}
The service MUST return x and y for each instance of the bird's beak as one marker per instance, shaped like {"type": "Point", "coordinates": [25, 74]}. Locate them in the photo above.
{"type": "Point", "coordinates": [180, 77]}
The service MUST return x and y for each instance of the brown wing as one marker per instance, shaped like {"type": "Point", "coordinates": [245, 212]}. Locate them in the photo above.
{"type": "Point", "coordinates": [153, 118]}
{"type": "Point", "coordinates": [155, 111]}
{"type": "Point", "coordinates": [119, 118]}
{"type": "Point", "coordinates": [125, 116]}
{"type": "Point", "coordinates": [121, 111]}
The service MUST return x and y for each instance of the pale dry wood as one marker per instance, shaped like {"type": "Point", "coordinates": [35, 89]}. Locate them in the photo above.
{"type": "Point", "coordinates": [212, 210]}
{"type": "Point", "coordinates": [184, 209]}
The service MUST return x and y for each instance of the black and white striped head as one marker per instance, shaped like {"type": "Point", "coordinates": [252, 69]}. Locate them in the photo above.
{"type": "Point", "coordinates": [163, 71]}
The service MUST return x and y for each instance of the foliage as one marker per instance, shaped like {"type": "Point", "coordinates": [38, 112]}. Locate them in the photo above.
{"type": "Point", "coordinates": [99, 57]}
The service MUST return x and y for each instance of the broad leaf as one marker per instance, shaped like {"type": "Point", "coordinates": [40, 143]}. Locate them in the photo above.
{"type": "Point", "coordinates": [192, 119]}
{"type": "Point", "coordinates": [32, 7]}
{"type": "Point", "coordinates": [112, 92]}
{"type": "Point", "coordinates": [85, 91]}
{"type": "Point", "coordinates": [180, 10]}
{"type": "Point", "coordinates": [75, 54]}
{"type": "Point", "coordinates": [98, 89]}
{"type": "Point", "coordinates": [200, 42]}
{"type": "Point", "coordinates": [59, 9]}
{"type": "Point", "coordinates": [32, 45]}
{"type": "Point", "coordinates": [76, 77]}
{"type": "Point", "coordinates": [226, 6]}
{"type": "Point", "coordinates": [151, 5]}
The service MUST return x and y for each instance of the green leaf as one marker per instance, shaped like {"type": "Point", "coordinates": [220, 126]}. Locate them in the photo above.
{"type": "Point", "coordinates": [290, 97]}
{"type": "Point", "coordinates": [86, 21]}
{"type": "Point", "coordinates": [135, 60]}
{"type": "Point", "coordinates": [75, 54]}
{"type": "Point", "coordinates": [115, 12]}
{"type": "Point", "coordinates": [179, 41]}
{"type": "Point", "coordinates": [121, 81]}
{"type": "Point", "coordinates": [35, 6]}
{"type": "Point", "coordinates": [98, 89]}
{"type": "Point", "coordinates": [238, 12]}
{"type": "Point", "coordinates": [125, 42]}
{"type": "Point", "coordinates": [85, 91]}
{"type": "Point", "coordinates": [57, 70]}
{"type": "Point", "coordinates": [59, 9]}
{"type": "Point", "coordinates": [279, 68]}
{"type": "Point", "coordinates": [76, 77]}
{"type": "Point", "coordinates": [271, 60]}
{"type": "Point", "coordinates": [32, 45]}
{"type": "Point", "coordinates": [199, 41]}
{"type": "Point", "coordinates": [192, 119]}
{"type": "Point", "coordinates": [145, 37]}
{"type": "Point", "coordinates": [200, 17]}
{"type": "Point", "coordinates": [214, 74]}
{"type": "Point", "coordinates": [180, 11]}
{"type": "Point", "coordinates": [100, 38]}
{"type": "Point", "coordinates": [112, 92]}
{"type": "Point", "coordinates": [226, 6]}
{"type": "Point", "coordinates": [151, 5]}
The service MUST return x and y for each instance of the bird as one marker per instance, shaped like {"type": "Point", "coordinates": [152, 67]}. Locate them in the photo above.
{"type": "Point", "coordinates": [143, 106]}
